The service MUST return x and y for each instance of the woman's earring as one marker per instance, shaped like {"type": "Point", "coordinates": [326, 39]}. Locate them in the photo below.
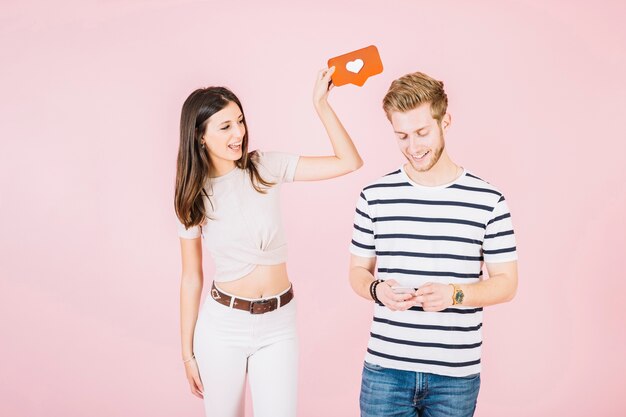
{"type": "Point", "coordinates": [202, 144]}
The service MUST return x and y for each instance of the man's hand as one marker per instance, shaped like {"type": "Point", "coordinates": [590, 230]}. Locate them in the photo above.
{"type": "Point", "coordinates": [393, 301]}
{"type": "Point", "coordinates": [434, 297]}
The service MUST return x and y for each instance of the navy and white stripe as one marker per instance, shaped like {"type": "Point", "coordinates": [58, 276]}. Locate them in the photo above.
{"type": "Point", "coordinates": [424, 234]}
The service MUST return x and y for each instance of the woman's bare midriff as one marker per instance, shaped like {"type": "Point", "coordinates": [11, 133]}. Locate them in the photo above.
{"type": "Point", "coordinates": [264, 281]}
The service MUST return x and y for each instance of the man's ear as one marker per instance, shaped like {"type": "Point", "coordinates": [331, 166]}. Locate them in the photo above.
{"type": "Point", "coordinates": [446, 120]}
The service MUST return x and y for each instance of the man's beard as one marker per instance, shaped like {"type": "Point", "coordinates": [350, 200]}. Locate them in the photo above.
{"type": "Point", "coordinates": [436, 154]}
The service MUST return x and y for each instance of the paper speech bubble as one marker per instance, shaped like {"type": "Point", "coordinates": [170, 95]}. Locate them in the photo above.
{"type": "Point", "coordinates": [356, 67]}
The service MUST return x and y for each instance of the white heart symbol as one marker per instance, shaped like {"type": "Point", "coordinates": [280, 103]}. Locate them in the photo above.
{"type": "Point", "coordinates": [355, 66]}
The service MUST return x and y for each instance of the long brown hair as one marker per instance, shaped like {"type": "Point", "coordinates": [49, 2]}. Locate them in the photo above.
{"type": "Point", "coordinates": [194, 164]}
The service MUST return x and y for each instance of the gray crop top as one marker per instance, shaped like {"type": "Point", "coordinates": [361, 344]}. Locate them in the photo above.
{"type": "Point", "coordinates": [244, 228]}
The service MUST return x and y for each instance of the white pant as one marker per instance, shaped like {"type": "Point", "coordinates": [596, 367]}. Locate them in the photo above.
{"type": "Point", "coordinates": [230, 343]}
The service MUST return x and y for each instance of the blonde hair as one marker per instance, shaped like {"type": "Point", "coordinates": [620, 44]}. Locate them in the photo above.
{"type": "Point", "coordinates": [410, 91]}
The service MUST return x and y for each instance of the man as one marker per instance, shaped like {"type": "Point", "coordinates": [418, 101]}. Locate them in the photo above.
{"type": "Point", "coordinates": [427, 228]}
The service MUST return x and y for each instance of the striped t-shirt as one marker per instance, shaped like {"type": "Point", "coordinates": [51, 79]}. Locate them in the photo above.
{"type": "Point", "coordinates": [421, 234]}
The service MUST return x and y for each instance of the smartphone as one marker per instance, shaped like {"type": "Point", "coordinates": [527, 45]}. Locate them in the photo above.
{"type": "Point", "coordinates": [403, 290]}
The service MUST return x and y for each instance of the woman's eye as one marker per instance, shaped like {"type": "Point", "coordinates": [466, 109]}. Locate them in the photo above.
{"type": "Point", "coordinates": [226, 127]}
{"type": "Point", "coordinates": [241, 122]}
{"type": "Point", "coordinates": [423, 134]}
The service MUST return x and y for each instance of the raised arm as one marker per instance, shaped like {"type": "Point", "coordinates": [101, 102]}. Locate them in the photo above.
{"type": "Point", "coordinates": [346, 158]}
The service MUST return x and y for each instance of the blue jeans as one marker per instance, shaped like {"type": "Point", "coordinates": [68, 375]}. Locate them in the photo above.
{"type": "Point", "coordinates": [394, 393]}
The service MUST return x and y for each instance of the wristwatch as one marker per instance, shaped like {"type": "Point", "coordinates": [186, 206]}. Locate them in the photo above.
{"type": "Point", "coordinates": [457, 295]}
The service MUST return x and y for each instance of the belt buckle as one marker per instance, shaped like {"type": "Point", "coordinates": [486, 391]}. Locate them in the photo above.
{"type": "Point", "coordinates": [264, 306]}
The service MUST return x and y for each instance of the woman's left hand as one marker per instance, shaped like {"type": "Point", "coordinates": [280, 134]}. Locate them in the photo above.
{"type": "Point", "coordinates": [323, 85]}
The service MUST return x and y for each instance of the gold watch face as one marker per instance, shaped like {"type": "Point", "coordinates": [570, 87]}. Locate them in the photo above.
{"type": "Point", "coordinates": [458, 297]}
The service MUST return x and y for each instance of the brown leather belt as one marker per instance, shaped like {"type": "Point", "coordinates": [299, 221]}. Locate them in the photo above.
{"type": "Point", "coordinates": [260, 306]}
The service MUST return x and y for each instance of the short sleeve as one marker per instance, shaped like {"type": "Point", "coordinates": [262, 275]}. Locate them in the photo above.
{"type": "Point", "coordinates": [363, 230]}
{"type": "Point", "coordinates": [499, 243]}
{"type": "Point", "coordinates": [192, 233]}
{"type": "Point", "coordinates": [280, 166]}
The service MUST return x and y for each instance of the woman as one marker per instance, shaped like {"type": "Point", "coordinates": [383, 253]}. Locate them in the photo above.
{"type": "Point", "coordinates": [229, 197]}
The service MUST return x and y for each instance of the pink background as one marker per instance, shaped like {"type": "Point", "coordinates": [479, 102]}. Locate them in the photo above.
{"type": "Point", "coordinates": [89, 258]}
